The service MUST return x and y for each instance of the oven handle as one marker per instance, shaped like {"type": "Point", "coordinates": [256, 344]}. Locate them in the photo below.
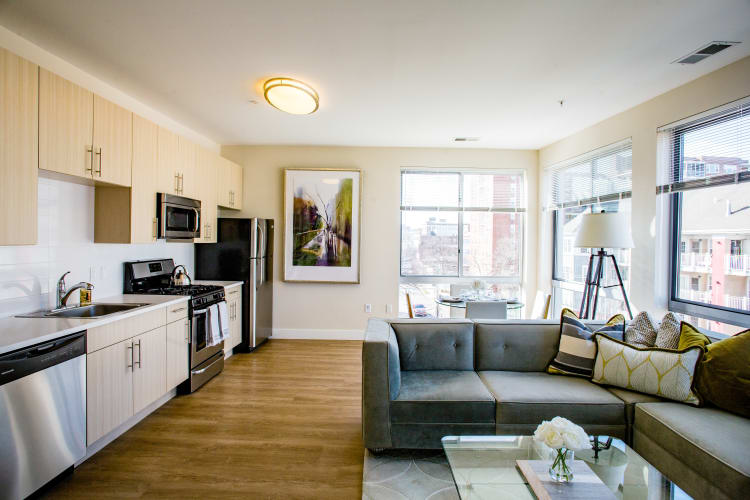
{"type": "Point", "coordinates": [193, 332]}
{"type": "Point", "coordinates": [163, 225]}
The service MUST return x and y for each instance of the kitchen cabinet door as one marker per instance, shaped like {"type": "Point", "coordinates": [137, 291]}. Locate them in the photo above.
{"type": "Point", "coordinates": [109, 389]}
{"type": "Point", "coordinates": [178, 352]}
{"type": "Point", "coordinates": [113, 142]}
{"type": "Point", "coordinates": [168, 174]}
{"type": "Point", "coordinates": [234, 305]}
{"type": "Point", "coordinates": [187, 153]}
{"type": "Point", "coordinates": [236, 186]}
{"type": "Point", "coordinates": [207, 175]}
{"type": "Point", "coordinates": [149, 368]}
{"type": "Point", "coordinates": [145, 180]}
{"type": "Point", "coordinates": [66, 126]}
{"type": "Point", "coordinates": [19, 154]}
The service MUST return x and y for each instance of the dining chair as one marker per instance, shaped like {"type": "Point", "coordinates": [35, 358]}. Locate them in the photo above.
{"type": "Point", "coordinates": [456, 290]}
{"type": "Point", "coordinates": [547, 305]}
{"type": "Point", "coordinates": [486, 309]}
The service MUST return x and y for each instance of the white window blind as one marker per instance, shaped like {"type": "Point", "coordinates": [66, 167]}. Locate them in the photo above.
{"type": "Point", "coordinates": [706, 150]}
{"type": "Point", "coordinates": [470, 191]}
{"type": "Point", "coordinates": [596, 177]}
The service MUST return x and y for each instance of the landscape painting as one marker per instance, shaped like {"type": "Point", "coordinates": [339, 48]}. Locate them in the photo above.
{"type": "Point", "coordinates": [322, 225]}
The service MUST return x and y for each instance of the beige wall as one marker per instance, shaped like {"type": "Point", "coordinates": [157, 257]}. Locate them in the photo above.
{"type": "Point", "coordinates": [300, 309]}
{"type": "Point", "coordinates": [648, 281]}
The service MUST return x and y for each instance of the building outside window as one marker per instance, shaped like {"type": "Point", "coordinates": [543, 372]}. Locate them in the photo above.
{"type": "Point", "coordinates": [457, 227]}
{"type": "Point", "coordinates": [710, 213]}
{"type": "Point", "coordinates": [597, 181]}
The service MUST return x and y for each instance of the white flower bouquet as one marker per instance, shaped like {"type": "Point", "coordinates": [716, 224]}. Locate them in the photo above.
{"type": "Point", "coordinates": [564, 436]}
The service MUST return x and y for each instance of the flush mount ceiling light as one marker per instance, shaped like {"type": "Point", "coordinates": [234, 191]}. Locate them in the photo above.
{"type": "Point", "coordinates": [292, 96]}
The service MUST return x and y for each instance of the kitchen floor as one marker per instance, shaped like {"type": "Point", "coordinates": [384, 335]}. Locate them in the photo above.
{"type": "Point", "coordinates": [283, 422]}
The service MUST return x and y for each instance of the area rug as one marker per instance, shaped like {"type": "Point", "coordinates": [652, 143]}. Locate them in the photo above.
{"type": "Point", "coordinates": [407, 474]}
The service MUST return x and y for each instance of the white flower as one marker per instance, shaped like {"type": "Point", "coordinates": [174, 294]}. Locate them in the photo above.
{"type": "Point", "coordinates": [562, 433]}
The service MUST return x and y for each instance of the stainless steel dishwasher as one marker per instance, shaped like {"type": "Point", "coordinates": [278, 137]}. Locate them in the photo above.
{"type": "Point", "coordinates": [42, 413]}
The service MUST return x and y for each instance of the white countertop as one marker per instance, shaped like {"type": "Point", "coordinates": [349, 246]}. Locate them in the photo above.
{"type": "Point", "coordinates": [17, 333]}
{"type": "Point", "coordinates": [225, 284]}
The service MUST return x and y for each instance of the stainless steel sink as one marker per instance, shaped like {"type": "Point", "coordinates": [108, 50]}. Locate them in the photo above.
{"type": "Point", "coordinates": [89, 311]}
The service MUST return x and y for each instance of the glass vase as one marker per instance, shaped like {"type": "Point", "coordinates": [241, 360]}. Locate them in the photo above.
{"type": "Point", "coordinates": [559, 471]}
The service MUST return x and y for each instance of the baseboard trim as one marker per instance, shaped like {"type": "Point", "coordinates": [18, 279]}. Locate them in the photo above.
{"type": "Point", "coordinates": [316, 334]}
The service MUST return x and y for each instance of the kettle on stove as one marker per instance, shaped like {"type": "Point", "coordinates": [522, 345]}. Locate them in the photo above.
{"type": "Point", "coordinates": [180, 276]}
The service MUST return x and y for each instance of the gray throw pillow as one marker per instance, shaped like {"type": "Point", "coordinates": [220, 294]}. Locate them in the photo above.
{"type": "Point", "coordinates": [668, 334]}
{"type": "Point", "coordinates": [641, 331]}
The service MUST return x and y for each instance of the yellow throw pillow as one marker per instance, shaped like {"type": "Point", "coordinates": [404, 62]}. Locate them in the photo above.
{"type": "Point", "coordinates": [724, 374]}
{"type": "Point", "coordinates": [690, 336]}
{"type": "Point", "coordinates": [651, 370]}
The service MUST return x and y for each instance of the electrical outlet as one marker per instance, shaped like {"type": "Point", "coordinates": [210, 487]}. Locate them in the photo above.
{"type": "Point", "coordinates": [368, 308]}
{"type": "Point", "coordinates": [389, 308]}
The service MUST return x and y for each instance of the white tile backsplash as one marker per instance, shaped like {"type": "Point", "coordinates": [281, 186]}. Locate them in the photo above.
{"type": "Point", "coordinates": [29, 274]}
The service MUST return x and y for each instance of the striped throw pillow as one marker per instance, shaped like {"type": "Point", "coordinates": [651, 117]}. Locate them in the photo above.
{"type": "Point", "coordinates": [577, 350]}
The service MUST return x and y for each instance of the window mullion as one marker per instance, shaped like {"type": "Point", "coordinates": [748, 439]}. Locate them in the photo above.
{"type": "Point", "coordinates": [460, 272]}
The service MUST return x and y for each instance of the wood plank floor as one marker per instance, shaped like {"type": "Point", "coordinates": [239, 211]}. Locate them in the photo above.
{"type": "Point", "coordinates": [283, 422]}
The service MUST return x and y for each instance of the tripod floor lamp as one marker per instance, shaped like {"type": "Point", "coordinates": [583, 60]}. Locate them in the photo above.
{"type": "Point", "coordinates": [600, 231]}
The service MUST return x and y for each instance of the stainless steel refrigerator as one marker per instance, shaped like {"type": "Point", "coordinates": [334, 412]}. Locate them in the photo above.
{"type": "Point", "coordinates": [243, 252]}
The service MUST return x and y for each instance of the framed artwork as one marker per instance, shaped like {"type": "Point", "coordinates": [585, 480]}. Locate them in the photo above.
{"type": "Point", "coordinates": [322, 225]}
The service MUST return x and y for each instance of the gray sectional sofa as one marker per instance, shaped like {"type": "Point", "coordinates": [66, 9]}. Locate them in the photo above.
{"type": "Point", "coordinates": [423, 379]}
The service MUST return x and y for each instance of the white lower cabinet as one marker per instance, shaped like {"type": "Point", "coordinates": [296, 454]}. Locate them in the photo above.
{"type": "Point", "coordinates": [234, 308]}
{"type": "Point", "coordinates": [123, 379]}
{"type": "Point", "coordinates": [178, 351]}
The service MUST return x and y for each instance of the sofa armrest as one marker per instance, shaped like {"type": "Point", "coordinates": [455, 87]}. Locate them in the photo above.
{"type": "Point", "coordinates": [381, 382]}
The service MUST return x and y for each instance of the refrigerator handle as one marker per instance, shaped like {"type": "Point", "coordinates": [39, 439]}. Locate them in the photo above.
{"type": "Point", "coordinates": [261, 251]}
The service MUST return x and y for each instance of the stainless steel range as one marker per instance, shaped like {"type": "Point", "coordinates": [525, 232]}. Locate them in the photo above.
{"type": "Point", "coordinates": [155, 277]}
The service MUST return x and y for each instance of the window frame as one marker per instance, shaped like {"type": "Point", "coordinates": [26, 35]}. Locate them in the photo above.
{"type": "Point", "coordinates": [684, 306]}
{"type": "Point", "coordinates": [448, 278]}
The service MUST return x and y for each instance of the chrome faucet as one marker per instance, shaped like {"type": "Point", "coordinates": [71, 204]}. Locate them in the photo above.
{"type": "Point", "coordinates": [63, 294]}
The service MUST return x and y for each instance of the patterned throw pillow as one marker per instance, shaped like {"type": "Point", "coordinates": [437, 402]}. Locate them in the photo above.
{"type": "Point", "coordinates": [641, 332]}
{"type": "Point", "coordinates": [577, 350]}
{"type": "Point", "coordinates": [668, 335]}
{"type": "Point", "coordinates": [661, 372]}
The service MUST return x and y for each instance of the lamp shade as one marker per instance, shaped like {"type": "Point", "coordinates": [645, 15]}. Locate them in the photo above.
{"type": "Point", "coordinates": [604, 230]}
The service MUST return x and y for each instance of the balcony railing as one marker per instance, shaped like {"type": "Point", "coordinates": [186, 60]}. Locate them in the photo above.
{"type": "Point", "coordinates": [696, 295]}
{"type": "Point", "coordinates": [695, 261]}
{"type": "Point", "coordinates": [737, 264]}
{"type": "Point", "coordinates": [741, 303]}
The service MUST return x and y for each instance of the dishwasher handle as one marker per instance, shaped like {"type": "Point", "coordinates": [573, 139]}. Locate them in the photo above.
{"type": "Point", "coordinates": [29, 360]}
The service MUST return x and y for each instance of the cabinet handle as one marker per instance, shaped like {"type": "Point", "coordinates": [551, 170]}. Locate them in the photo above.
{"type": "Point", "coordinates": [178, 309]}
{"type": "Point", "coordinates": [176, 183]}
{"type": "Point", "coordinates": [139, 354]}
{"type": "Point", "coordinates": [182, 183]}
{"type": "Point", "coordinates": [99, 154]}
{"type": "Point", "coordinates": [90, 167]}
{"type": "Point", "coordinates": [154, 229]}
{"type": "Point", "coordinates": [234, 292]}
{"type": "Point", "coordinates": [130, 347]}
{"type": "Point", "coordinates": [187, 331]}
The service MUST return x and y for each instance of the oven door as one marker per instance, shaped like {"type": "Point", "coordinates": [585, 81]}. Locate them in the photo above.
{"type": "Point", "coordinates": [199, 348]}
{"type": "Point", "coordinates": [179, 218]}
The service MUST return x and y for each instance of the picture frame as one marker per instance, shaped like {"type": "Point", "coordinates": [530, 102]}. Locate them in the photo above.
{"type": "Point", "coordinates": [322, 225]}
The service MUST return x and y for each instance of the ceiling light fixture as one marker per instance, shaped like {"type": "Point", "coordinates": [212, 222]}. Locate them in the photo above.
{"type": "Point", "coordinates": [292, 96]}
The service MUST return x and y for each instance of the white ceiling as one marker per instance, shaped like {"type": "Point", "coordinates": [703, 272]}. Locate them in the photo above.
{"type": "Point", "coordinates": [389, 73]}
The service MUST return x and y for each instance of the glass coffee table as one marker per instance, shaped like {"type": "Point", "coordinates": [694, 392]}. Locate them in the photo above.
{"type": "Point", "coordinates": [484, 467]}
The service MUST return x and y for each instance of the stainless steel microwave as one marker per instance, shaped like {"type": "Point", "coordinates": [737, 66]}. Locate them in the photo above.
{"type": "Point", "coordinates": [178, 218]}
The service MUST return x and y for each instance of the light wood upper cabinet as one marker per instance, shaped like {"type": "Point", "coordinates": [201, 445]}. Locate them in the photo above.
{"type": "Point", "coordinates": [168, 170]}
{"type": "Point", "coordinates": [187, 158]}
{"type": "Point", "coordinates": [83, 134]}
{"type": "Point", "coordinates": [19, 153]}
{"type": "Point", "coordinates": [113, 142]}
{"type": "Point", "coordinates": [229, 194]}
{"type": "Point", "coordinates": [109, 389]}
{"type": "Point", "coordinates": [207, 171]}
{"type": "Point", "coordinates": [66, 126]}
{"type": "Point", "coordinates": [149, 368]}
{"type": "Point", "coordinates": [145, 180]}
{"type": "Point", "coordinates": [178, 346]}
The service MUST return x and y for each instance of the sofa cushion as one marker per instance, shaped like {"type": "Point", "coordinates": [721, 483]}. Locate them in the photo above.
{"type": "Point", "coordinates": [708, 440]}
{"type": "Point", "coordinates": [631, 398]}
{"type": "Point", "coordinates": [442, 396]}
{"type": "Point", "coordinates": [516, 345]}
{"type": "Point", "coordinates": [435, 344]}
{"type": "Point", "coordinates": [530, 397]}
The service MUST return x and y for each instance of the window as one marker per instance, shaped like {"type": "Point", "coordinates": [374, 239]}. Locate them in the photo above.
{"type": "Point", "coordinates": [460, 226]}
{"type": "Point", "coordinates": [598, 181]}
{"type": "Point", "coordinates": [712, 281]}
